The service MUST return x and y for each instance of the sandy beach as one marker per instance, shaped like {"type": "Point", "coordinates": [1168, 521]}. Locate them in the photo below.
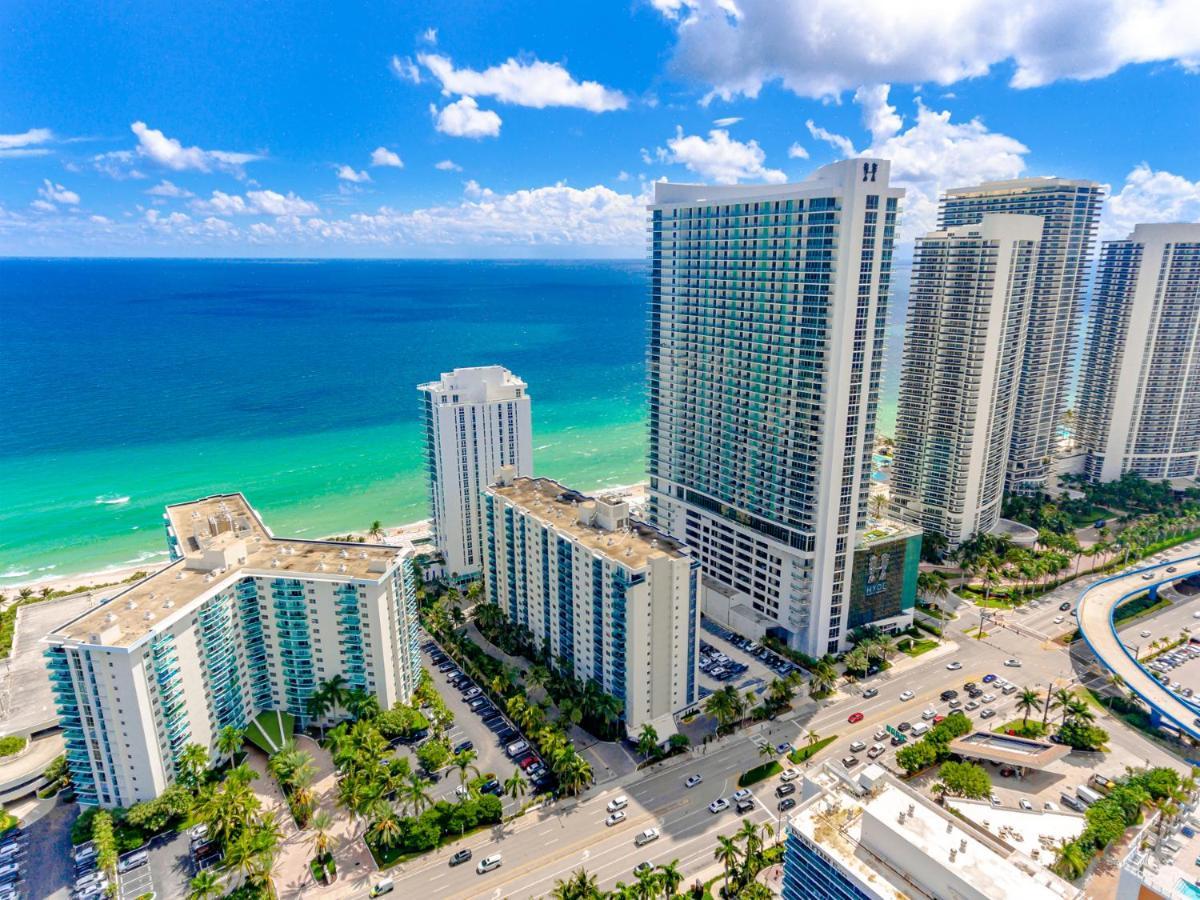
{"type": "Point", "coordinates": [634, 494]}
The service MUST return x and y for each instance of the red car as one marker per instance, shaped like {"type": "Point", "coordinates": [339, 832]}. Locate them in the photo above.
{"type": "Point", "coordinates": [527, 762]}
{"type": "Point", "coordinates": [855, 717]}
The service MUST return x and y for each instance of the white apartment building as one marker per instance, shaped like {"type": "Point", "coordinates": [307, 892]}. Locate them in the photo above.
{"type": "Point", "coordinates": [612, 599]}
{"type": "Point", "coordinates": [767, 316]}
{"type": "Point", "coordinates": [476, 420]}
{"type": "Point", "coordinates": [1139, 401]}
{"type": "Point", "coordinates": [239, 623]}
{"type": "Point", "coordinates": [868, 836]}
{"type": "Point", "coordinates": [1071, 210]}
{"type": "Point", "coordinates": [964, 339]}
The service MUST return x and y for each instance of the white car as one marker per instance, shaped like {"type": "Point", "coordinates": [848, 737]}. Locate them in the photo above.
{"type": "Point", "coordinates": [1058, 620]}
{"type": "Point", "coordinates": [645, 837]}
{"type": "Point", "coordinates": [907, 695]}
{"type": "Point", "coordinates": [488, 863]}
{"type": "Point", "coordinates": [616, 817]}
{"type": "Point", "coordinates": [954, 666]}
{"type": "Point", "coordinates": [789, 775]}
{"type": "Point", "coordinates": [988, 698]}
{"type": "Point", "coordinates": [1146, 632]}
{"type": "Point", "coordinates": [743, 794]}
{"type": "Point", "coordinates": [1013, 663]}
{"type": "Point", "coordinates": [857, 746]}
{"type": "Point", "coordinates": [718, 805]}
{"type": "Point", "coordinates": [692, 781]}
{"type": "Point", "coordinates": [995, 800]}
{"type": "Point", "coordinates": [1025, 804]}
{"type": "Point", "coordinates": [1050, 806]}
{"type": "Point", "coordinates": [928, 714]}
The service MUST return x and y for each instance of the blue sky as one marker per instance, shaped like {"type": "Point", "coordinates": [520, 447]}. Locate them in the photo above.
{"type": "Point", "coordinates": [533, 129]}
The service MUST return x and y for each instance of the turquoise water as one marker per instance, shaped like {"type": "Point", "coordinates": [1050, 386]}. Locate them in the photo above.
{"type": "Point", "coordinates": [165, 380]}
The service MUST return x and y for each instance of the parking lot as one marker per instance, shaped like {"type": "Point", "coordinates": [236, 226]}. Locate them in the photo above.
{"type": "Point", "coordinates": [1179, 670]}
{"type": "Point", "coordinates": [138, 880]}
{"type": "Point", "coordinates": [469, 726]}
{"type": "Point", "coordinates": [728, 658]}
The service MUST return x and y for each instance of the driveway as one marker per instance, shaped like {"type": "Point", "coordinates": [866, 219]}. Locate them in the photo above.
{"type": "Point", "coordinates": [49, 871]}
{"type": "Point", "coordinates": [170, 867]}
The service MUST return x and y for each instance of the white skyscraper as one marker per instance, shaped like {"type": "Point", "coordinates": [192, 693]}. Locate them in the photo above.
{"type": "Point", "coordinates": [476, 420]}
{"type": "Point", "coordinates": [1071, 210]}
{"type": "Point", "coordinates": [767, 315]}
{"type": "Point", "coordinates": [968, 309]}
{"type": "Point", "coordinates": [1139, 400]}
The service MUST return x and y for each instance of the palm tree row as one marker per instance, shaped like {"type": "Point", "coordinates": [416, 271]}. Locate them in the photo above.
{"type": "Point", "coordinates": [249, 838]}
{"type": "Point", "coordinates": [743, 856]}
{"type": "Point", "coordinates": [658, 881]}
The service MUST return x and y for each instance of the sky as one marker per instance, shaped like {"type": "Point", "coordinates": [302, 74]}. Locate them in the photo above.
{"type": "Point", "coordinates": [536, 129]}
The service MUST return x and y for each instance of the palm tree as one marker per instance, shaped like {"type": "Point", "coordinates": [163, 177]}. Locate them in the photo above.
{"type": "Point", "coordinates": [718, 706]}
{"type": "Point", "coordinates": [728, 855]}
{"type": "Point", "coordinates": [607, 708]}
{"type": "Point", "coordinates": [515, 785]}
{"type": "Point", "coordinates": [1027, 701]}
{"type": "Point", "coordinates": [580, 886]}
{"type": "Point", "coordinates": [322, 827]}
{"type": "Point", "coordinates": [464, 761]}
{"type": "Point", "coordinates": [813, 738]}
{"type": "Point", "coordinates": [647, 885]}
{"type": "Point", "coordinates": [1077, 710]}
{"type": "Point", "coordinates": [756, 890]}
{"type": "Point", "coordinates": [317, 706]}
{"type": "Point", "coordinates": [780, 693]}
{"type": "Point", "coordinates": [376, 530]}
{"type": "Point", "coordinates": [415, 795]}
{"type": "Point", "coordinates": [1071, 862]}
{"type": "Point", "coordinates": [766, 751]}
{"type": "Point", "coordinates": [1063, 698]}
{"type": "Point", "coordinates": [386, 830]}
{"type": "Point", "coordinates": [191, 764]}
{"type": "Point", "coordinates": [670, 877]}
{"type": "Point", "coordinates": [647, 740]}
{"type": "Point", "coordinates": [334, 689]}
{"type": "Point", "coordinates": [824, 678]}
{"type": "Point", "coordinates": [1050, 703]}
{"type": "Point", "coordinates": [575, 773]}
{"type": "Point", "coordinates": [205, 886]}
{"type": "Point", "coordinates": [229, 741]}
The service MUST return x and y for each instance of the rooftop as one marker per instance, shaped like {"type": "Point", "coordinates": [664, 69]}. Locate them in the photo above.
{"type": "Point", "coordinates": [1007, 748]}
{"type": "Point", "coordinates": [1018, 184]}
{"type": "Point", "coordinates": [882, 531]}
{"type": "Point", "coordinates": [221, 538]}
{"type": "Point", "coordinates": [600, 524]}
{"type": "Point", "coordinates": [902, 845]}
{"type": "Point", "coordinates": [1169, 865]}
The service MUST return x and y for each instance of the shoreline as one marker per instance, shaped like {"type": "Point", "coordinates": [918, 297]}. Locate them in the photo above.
{"type": "Point", "coordinates": [113, 576]}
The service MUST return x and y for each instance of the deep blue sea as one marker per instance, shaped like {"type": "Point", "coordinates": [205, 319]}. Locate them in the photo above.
{"type": "Point", "coordinates": [293, 381]}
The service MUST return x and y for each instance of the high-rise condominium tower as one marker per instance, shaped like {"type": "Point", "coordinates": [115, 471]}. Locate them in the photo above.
{"type": "Point", "coordinates": [968, 309]}
{"type": "Point", "coordinates": [767, 314]}
{"type": "Point", "coordinates": [613, 600]}
{"type": "Point", "coordinates": [1071, 210]}
{"type": "Point", "coordinates": [241, 623]}
{"type": "Point", "coordinates": [1139, 402]}
{"type": "Point", "coordinates": [476, 420]}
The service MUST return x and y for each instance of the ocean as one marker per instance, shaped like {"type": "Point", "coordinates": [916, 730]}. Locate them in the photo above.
{"type": "Point", "coordinates": [295, 382]}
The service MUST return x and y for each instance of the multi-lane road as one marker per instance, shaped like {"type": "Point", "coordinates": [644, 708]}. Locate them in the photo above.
{"type": "Point", "coordinates": [544, 846]}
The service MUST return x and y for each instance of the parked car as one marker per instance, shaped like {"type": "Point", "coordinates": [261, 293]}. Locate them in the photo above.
{"type": "Point", "coordinates": [786, 803]}
{"type": "Point", "coordinates": [784, 789]}
{"type": "Point", "coordinates": [744, 806]}
{"type": "Point", "coordinates": [857, 746]}
{"type": "Point", "coordinates": [849, 761]}
{"type": "Point", "coordinates": [134, 860]}
{"type": "Point", "coordinates": [718, 805]}
{"type": "Point", "coordinates": [789, 775]}
{"type": "Point", "coordinates": [742, 794]}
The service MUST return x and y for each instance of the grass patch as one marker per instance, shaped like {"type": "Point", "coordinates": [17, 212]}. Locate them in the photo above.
{"type": "Point", "coordinates": [12, 744]}
{"type": "Point", "coordinates": [803, 754]}
{"type": "Point", "coordinates": [927, 628]}
{"type": "Point", "coordinates": [1031, 729]}
{"type": "Point", "coordinates": [976, 633]}
{"type": "Point", "coordinates": [271, 731]}
{"type": "Point", "coordinates": [1141, 605]}
{"type": "Point", "coordinates": [916, 648]}
{"type": "Point", "coordinates": [760, 773]}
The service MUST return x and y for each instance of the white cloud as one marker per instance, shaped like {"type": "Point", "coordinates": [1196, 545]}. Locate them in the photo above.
{"type": "Point", "coordinates": [255, 203]}
{"type": "Point", "coordinates": [43, 206]}
{"type": "Point", "coordinates": [623, 175]}
{"type": "Point", "coordinates": [819, 48]}
{"type": "Point", "coordinates": [840, 142]}
{"type": "Point", "coordinates": [537, 84]}
{"type": "Point", "coordinates": [382, 156]}
{"type": "Point", "coordinates": [100, 220]}
{"type": "Point", "coordinates": [727, 121]}
{"type": "Point", "coordinates": [448, 165]}
{"type": "Point", "coordinates": [169, 152]}
{"type": "Point", "coordinates": [56, 193]}
{"type": "Point", "coordinates": [169, 189]}
{"type": "Point", "coordinates": [879, 117]}
{"type": "Point", "coordinates": [796, 151]}
{"type": "Point", "coordinates": [405, 69]}
{"type": "Point", "coordinates": [429, 35]}
{"type": "Point", "coordinates": [347, 173]}
{"type": "Point", "coordinates": [117, 164]}
{"type": "Point", "coordinates": [464, 118]}
{"type": "Point", "coordinates": [719, 158]}
{"type": "Point", "coordinates": [1149, 197]}
{"type": "Point", "coordinates": [25, 143]}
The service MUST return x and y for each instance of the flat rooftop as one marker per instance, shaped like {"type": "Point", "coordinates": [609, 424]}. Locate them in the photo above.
{"type": "Point", "coordinates": [221, 538]}
{"type": "Point", "coordinates": [882, 531]}
{"type": "Point", "coordinates": [903, 845]}
{"type": "Point", "coordinates": [1007, 748]}
{"type": "Point", "coordinates": [631, 543]}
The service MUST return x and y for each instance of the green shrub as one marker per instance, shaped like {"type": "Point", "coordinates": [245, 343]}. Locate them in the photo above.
{"type": "Point", "coordinates": [802, 754]}
{"type": "Point", "coordinates": [759, 773]}
{"type": "Point", "coordinates": [12, 744]}
{"type": "Point", "coordinates": [966, 779]}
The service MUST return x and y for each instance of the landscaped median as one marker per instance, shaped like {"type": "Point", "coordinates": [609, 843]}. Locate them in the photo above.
{"type": "Point", "coordinates": [760, 773]}
{"type": "Point", "coordinates": [804, 754]}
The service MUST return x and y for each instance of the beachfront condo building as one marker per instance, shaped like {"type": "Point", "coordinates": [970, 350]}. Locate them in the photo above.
{"type": "Point", "coordinates": [1139, 401]}
{"type": "Point", "coordinates": [968, 309]}
{"type": "Point", "coordinates": [1071, 211]}
{"type": "Point", "coordinates": [241, 622]}
{"type": "Point", "coordinates": [476, 420]}
{"type": "Point", "coordinates": [611, 599]}
{"type": "Point", "coordinates": [768, 307]}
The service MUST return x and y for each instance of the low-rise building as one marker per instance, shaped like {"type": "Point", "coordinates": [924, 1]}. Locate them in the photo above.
{"type": "Point", "coordinates": [239, 623]}
{"type": "Point", "coordinates": [612, 599]}
{"type": "Point", "coordinates": [867, 835]}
